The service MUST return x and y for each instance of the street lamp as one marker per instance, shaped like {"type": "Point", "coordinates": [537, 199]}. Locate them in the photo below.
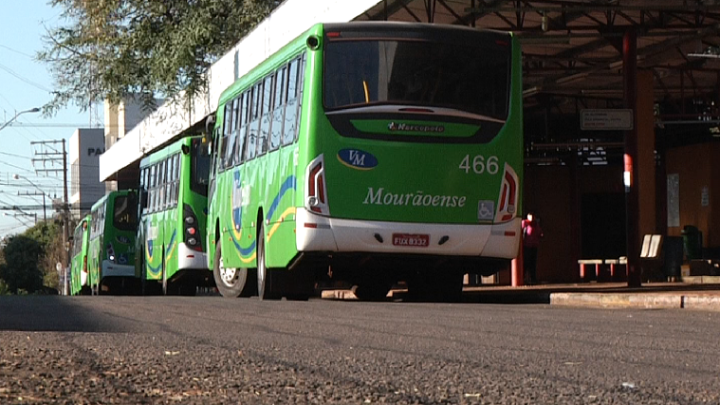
{"type": "Point", "coordinates": [17, 177]}
{"type": "Point", "coordinates": [10, 121]}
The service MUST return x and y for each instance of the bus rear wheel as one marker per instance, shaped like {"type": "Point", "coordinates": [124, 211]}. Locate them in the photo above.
{"type": "Point", "coordinates": [267, 285]}
{"type": "Point", "coordinates": [371, 291]}
{"type": "Point", "coordinates": [229, 281]}
{"type": "Point", "coordinates": [436, 286]}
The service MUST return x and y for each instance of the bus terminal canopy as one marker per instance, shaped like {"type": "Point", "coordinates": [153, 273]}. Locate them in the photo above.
{"type": "Point", "coordinates": [572, 53]}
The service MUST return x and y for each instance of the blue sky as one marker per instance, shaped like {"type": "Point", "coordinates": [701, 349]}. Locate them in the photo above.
{"type": "Point", "coordinates": [24, 84]}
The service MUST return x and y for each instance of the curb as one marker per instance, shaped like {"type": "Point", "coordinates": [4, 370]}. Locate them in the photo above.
{"type": "Point", "coordinates": [645, 301]}
{"type": "Point", "coordinates": [700, 302]}
{"type": "Point", "coordinates": [338, 295]}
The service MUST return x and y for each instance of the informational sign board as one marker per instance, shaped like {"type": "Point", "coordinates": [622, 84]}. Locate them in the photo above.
{"type": "Point", "coordinates": [606, 120]}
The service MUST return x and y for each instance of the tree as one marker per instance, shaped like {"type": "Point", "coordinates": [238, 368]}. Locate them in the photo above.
{"type": "Point", "coordinates": [20, 270]}
{"type": "Point", "coordinates": [118, 49]}
{"type": "Point", "coordinates": [30, 258]}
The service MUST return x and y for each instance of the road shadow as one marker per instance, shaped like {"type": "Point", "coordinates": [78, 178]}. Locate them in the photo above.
{"type": "Point", "coordinates": [40, 313]}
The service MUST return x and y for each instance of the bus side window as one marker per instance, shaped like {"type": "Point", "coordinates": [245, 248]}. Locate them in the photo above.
{"type": "Point", "coordinates": [158, 187]}
{"type": "Point", "coordinates": [242, 131]}
{"type": "Point", "coordinates": [291, 110]}
{"type": "Point", "coordinates": [163, 185]}
{"type": "Point", "coordinates": [278, 108]}
{"type": "Point", "coordinates": [265, 117]}
{"type": "Point", "coordinates": [231, 138]}
{"type": "Point", "coordinates": [176, 184]}
{"type": "Point", "coordinates": [151, 187]}
{"type": "Point", "coordinates": [226, 129]}
{"type": "Point", "coordinates": [169, 169]}
{"type": "Point", "coordinates": [146, 191]}
{"type": "Point", "coordinates": [253, 123]}
{"type": "Point", "coordinates": [173, 176]}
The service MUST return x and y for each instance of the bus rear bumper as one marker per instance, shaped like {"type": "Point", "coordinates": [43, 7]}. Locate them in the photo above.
{"type": "Point", "coordinates": [189, 259]}
{"type": "Point", "coordinates": [110, 269]}
{"type": "Point", "coordinates": [319, 233]}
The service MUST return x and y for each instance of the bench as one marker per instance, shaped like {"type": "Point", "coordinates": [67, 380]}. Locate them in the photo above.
{"type": "Point", "coordinates": [585, 262]}
{"type": "Point", "coordinates": [651, 258]}
{"type": "Point", "coordinates": [613, 264]}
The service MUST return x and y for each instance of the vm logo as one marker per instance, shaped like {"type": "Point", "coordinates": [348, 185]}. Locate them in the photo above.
{"type": "Point", "coordinates": [357, 159]}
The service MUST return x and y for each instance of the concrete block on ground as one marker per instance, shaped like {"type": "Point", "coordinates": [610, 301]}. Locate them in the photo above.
{"type": "Point", "coordinates": [654, 301]}
{"type": "Point", "coordinates": [702, 302]}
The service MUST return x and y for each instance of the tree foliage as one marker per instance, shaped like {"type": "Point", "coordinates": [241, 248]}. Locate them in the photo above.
{"type": "Point", "coordinates": [20, 270]}
{"type": "Point", "coordinates": [116, 49]}
{"type": "Point", "coordinates": [30, 258]}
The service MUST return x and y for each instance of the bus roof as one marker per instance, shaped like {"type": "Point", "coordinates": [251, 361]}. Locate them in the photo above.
{"type": "Point", "coordinates": [168, 150]}
{"type": "Point", "coordinates": [104, 198]}
{"type": "Point", "coordinates": [291, 49]}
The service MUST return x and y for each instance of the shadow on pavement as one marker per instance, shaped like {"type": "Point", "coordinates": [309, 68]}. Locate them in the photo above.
{"type": "Point", "coordinates": [37, 313]}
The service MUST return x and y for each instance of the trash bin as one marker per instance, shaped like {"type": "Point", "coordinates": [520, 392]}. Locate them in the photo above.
{"type": "Point", "coordinates": [673, 257]}
{"type": "Point", "coordinates": [692, 242]}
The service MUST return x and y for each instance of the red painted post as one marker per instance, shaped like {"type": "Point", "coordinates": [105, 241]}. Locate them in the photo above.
{"type": "Point", "coordinates": [632, 197]}
{"type": "Point", "coordinates": [517, 273]}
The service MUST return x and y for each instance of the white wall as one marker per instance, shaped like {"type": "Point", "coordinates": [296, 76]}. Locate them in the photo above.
{"type": "Point", "coordinates": [86, 145]}
{"type": "Point", "coordinates": [288, 21]}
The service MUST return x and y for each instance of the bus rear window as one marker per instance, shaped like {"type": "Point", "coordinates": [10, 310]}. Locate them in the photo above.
{"type": "Point", "coordinates": [471, 76]}
{"type": "Point", "coordinates": [124, 217]}
{"type": "Point", "coordinates": [199, 167]}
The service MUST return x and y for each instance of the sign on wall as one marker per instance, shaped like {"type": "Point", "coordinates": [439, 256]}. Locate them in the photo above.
{"type": "Point", "coordinates": [606, 120]}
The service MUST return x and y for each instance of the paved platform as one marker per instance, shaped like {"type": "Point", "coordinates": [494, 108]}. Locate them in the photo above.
{"type": "Point", "coordinates": [686, 295]}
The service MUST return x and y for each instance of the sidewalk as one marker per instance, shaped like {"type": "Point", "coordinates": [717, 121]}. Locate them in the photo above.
{"type": "Point", "coordinates": [695, 296]}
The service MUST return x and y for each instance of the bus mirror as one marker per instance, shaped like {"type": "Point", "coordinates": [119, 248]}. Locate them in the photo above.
{"type": "Point", "coordinates": [210, 124]}
{"type": "Point", "coordinates": [185, 149]}
{"type": "Point", "coordinates": [313, 42]}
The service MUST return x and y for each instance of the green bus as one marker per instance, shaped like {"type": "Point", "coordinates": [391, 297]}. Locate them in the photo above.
{"type": "Point", "coordinates": [371, 153]}
{"type": "Point", "coordinates": [172, 213]}
{"type": "Point", "coordinates": [111, 252]}
{"type": "Point", "coordinates": [78, 265]}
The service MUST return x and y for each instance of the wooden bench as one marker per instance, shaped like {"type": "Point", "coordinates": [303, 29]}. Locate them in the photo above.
{"type": "Point", "coordinates": [651, 258]}
{"type": "Point", "coordinates": [585, 262]}
{"type": "Point", "coordinates": [614, 264]}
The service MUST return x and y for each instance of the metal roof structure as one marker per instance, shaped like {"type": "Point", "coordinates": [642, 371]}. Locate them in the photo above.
{"type": "Point", "coordinates": [573, 48]}
{"type": "Point", "coordinates": [573, 59]}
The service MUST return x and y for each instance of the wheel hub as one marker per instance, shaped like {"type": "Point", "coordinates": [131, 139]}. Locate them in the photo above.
{"type": "Point", "coordinates": [228, 275]}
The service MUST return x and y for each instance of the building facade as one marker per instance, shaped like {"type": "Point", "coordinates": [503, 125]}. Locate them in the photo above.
{"type": "Point", "coordinates": [86, 146]}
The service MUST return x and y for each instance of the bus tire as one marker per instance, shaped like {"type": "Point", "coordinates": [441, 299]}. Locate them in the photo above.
{"type": "Point", "coordinates": [230, 282]}
{"type": "Point", "coordinates": [371, 291]}
{"type": "Point", "coordinates": [267, 285]}
{"type": "Point", "coordinates": [435, 286]}
{"type": "Point", "coordinates": [167, 287]}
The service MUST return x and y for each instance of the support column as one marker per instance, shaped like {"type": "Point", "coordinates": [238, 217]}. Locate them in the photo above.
{"type": "Point", "coordinates": [646, 166]}
{"type": "Point", "coordinates": [631, 172]}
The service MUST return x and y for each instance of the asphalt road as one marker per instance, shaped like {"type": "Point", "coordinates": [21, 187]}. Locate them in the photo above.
{"type": "Point", "coordinates": [210, 350]}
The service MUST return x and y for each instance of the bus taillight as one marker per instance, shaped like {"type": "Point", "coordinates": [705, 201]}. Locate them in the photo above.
{"type": "Point", "coordinates": [507, 204]}
{"type": "Point", "coordinates": [192, 233]}
{"type": "Point", "coordinates": [315, 190]}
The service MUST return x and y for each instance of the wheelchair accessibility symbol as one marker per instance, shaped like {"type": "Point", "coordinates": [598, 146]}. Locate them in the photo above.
{"type": "Point", "coordinates": [486, 210]}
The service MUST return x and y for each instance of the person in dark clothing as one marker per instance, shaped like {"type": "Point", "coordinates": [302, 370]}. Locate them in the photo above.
{"type": "Point", "coordinates": [532, 233]}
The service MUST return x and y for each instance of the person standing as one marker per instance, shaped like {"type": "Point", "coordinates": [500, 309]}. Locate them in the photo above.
{"type": "Point", "coordinates": [532, 233]}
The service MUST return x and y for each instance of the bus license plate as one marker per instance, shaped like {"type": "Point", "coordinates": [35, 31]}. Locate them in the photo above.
{"type": "Point", "coordinates": [409, 239]}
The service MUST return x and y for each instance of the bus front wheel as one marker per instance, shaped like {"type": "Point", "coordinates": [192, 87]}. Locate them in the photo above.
{"type": "Point", "coordinates": [229, 281]}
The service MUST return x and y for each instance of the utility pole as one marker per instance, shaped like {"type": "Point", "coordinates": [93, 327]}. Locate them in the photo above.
{"type": "Point", "coordinates": [50, 155]}
{"type": "Point", "coordinates": [36, 193]}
